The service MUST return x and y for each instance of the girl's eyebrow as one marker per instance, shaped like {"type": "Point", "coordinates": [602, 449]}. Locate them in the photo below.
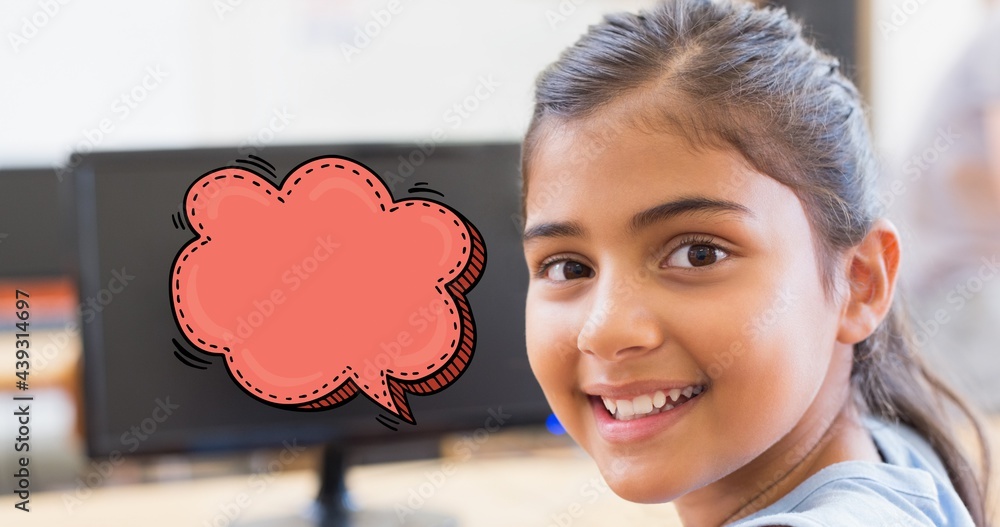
{"type": "Point", "coordinates": [696, 205]}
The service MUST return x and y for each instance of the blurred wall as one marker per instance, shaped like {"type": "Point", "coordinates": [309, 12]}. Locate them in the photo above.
{"type": "Point", "coordinates": [119, 74]}
{"type": "Point", "coordinates": [912, 45]}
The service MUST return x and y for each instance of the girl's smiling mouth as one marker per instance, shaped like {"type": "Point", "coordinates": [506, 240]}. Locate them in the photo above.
{"type": "Point", "coordinates": [635, 413]}
{"type": "Point", "coordinates": [650, 404]}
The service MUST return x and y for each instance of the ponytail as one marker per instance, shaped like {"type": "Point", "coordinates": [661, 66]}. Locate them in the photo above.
{"type": "Point", "coordinates": [894, 383]}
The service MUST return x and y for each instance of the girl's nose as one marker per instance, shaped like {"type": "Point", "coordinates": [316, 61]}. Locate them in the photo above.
{"type": "Point", "coordinates": [622, 321]}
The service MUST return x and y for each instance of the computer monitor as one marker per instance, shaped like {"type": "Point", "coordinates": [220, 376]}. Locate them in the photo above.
{"type": "Point", "coordinates": [33, 224]}
{"type": "Point", "coordinates": [141, 398]}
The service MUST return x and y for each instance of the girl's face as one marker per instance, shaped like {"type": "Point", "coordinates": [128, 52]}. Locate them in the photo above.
{"type": "Point", "coordinates": [676, 318]}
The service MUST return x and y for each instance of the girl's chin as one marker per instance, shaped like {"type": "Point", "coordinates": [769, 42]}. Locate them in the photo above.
{"type": "Point", "coordinates": [646, 485]}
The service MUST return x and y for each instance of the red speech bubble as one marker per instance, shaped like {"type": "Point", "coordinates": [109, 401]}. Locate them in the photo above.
{"type": "Point", "coordinates": [326, 287]}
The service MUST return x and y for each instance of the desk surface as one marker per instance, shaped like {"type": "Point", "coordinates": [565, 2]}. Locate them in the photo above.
{"type": "Point", "coordinates": [553, 487]}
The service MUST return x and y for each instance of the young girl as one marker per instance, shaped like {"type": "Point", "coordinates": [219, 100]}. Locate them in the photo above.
{"type": "Point", "coordinates": [711, 310]}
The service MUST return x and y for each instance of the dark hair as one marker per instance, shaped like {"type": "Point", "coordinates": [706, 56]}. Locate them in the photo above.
{"type": "Point", "coordinates": [729, 74]}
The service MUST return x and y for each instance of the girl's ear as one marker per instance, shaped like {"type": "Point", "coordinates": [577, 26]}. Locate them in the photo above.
{"type": "Point", "coordinates": [871, 273]}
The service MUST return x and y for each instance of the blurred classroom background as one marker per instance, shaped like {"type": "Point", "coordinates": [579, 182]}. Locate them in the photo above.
{"type": "Point", "coordinates": [246, 76]}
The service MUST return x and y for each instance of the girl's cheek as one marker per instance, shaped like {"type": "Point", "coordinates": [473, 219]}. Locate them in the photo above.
{"type": "Point", "coordinates": [537, 340]}
{"type": "Point", "coordinates": [551, 345]}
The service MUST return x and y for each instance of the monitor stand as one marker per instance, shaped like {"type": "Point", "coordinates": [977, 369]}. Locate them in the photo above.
{"type": "Point", "coordinates": [333, 507]}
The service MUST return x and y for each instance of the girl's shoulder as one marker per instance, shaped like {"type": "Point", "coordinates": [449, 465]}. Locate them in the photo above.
{"type": "Point", "coordinates": [910, 488]}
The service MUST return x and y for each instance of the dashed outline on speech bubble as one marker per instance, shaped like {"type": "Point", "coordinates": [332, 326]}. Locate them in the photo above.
{"type": "Point", "coordinates": [452, 288]}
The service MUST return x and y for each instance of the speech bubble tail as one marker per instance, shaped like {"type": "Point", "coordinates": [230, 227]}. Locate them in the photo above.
{"type": "Point", "coordinates": [388, 393]}
{"type": "Point", "coordinates": [400, 406]}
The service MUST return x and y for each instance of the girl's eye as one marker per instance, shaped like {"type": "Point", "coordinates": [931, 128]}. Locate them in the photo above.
{"type": "Point", "coordinates": [563, 270]}
{"type": "Point", "coordinates": [697, 254]}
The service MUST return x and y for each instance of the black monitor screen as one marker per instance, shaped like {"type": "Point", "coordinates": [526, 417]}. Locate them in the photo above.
{"type": "Point", "coordinates": [142, 397]}
{"type": "Point", "coordinates": [33, 237]}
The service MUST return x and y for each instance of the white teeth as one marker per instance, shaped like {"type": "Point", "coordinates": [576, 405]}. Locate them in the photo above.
{"type": "Point", "coordinates": [624, 408]}
{"type": "Point", "coordinates": [649, 404]}
{"type": "Point", "coordinates": [642, 404]}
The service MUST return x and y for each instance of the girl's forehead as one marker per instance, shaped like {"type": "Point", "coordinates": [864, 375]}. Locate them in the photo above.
{"type": "Point", "coordinates": [608, 161]}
